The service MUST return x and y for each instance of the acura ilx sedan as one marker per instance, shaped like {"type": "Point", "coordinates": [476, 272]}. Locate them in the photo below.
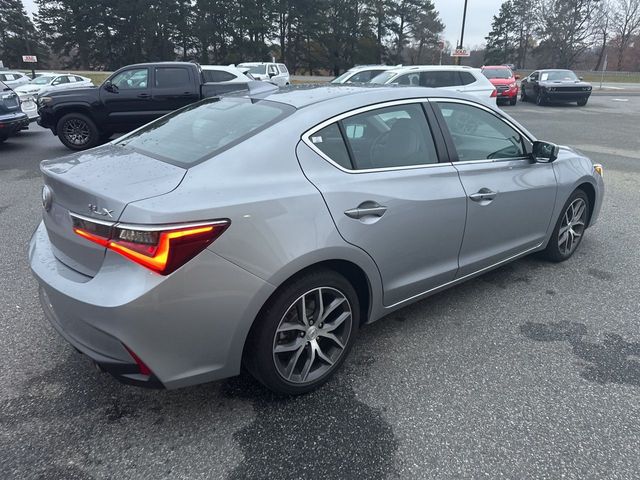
{"type": "Point", "coordinates": [265, 228]}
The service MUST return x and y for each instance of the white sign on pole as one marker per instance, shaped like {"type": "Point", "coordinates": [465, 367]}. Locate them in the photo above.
{"type": "Point", "coordinates": [460, 52]}
{"type": "Point", "coordinates": [29, 59]}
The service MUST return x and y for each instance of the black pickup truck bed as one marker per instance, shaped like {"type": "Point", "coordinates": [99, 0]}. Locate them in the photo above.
{"type": "Point", "coordinates": [128, 99]}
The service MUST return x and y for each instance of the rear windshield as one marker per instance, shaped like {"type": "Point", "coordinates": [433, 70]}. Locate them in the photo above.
{"type": "Point", "coordinates": [201, 130]}
{"type": "Point", "coordinates": [497, 73]}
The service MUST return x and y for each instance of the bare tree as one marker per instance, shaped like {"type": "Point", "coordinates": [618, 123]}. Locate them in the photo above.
{"type": "Point", "coordinates": [625, 25]}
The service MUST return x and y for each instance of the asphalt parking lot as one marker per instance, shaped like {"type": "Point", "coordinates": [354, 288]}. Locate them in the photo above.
{"type": "Point", "coordinates": [530, 371]}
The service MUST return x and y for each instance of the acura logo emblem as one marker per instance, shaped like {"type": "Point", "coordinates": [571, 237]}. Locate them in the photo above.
{"type": "Point", "coordinates": [47, 198]}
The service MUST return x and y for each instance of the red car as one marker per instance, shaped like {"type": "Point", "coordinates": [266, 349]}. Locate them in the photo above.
{"type": "Point", "coordinates": [503, 78]}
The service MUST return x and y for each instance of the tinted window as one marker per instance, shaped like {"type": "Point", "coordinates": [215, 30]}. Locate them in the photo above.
{"type": "Point", "coordinates": [364, 76]}
{"type": "Point", "coordinates": [131, 79]}
{"type": "Point", "coordinates": [273, 70]}
{"type": "Point", "coordinates": [383, 78]}
{"type": "Point", "coordinates": [283, 68]}
{"type": "Point", "coordinates": [203, 129]}
{"type": "Point", "coordinates": [408, 79]}
{"type": "Point", "coordinates": [480, 135]}
{"type": "Point", "coordinates": [390, 137]}
{"type": "Point", "coordinates": [439, 79]}
{"type": "Point", "coordinates": [79, 79]}
{"type": "Point", "coordinates": [60, 80]}
{"type": "Point", "coordinates": [329, 141]}
{"type": "Point", "coordinates": [167, 77]}
{"type": "Point", "coordinates": [466, 78]}
{"type": "Point", "coordinates": [217, 76]}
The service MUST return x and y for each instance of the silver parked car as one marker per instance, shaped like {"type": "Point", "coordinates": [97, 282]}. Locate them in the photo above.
{"type": "Point", "coordinates": [265, 228]}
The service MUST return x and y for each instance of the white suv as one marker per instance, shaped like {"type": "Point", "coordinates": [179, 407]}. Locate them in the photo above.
{"type": "Point", "coordinates": [13, 79]}
{"type": "Point", "coordinates": [273, 72]}
{"type": "Point", "coordinates": [453, 77]}
{"type": "Point", "coordinates": [362, 73]}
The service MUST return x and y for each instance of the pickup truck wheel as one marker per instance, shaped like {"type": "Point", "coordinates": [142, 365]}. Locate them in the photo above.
{"type": "Point", "coordinates": [77, 131]}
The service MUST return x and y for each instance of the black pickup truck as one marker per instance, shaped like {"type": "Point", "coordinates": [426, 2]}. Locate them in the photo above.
{"type": "Point", "coordinates": [134, 95]}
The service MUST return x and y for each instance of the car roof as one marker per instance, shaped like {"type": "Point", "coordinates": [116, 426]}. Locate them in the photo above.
{"type": "Point", "coordinates": [427, 68]}
{"type": "Point", "coordinates": [376, 66]}
{"type": "Point", "coordinates": [301, 96]}
{"type": "Point", "coordinates": [498, 67]}
{"type": "Point", "coordinates": [258, 63]}
{"type": "Point", "coordinates": [226, 68]}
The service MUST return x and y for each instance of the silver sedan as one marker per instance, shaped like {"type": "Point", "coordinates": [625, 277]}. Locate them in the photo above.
{"type": "Point", "coordinates": [266, 228]}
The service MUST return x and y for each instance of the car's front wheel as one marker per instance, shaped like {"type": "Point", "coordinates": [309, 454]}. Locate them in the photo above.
{"type": "Point", "coordinates": [304, 333]}
{"type": "Point", "coordinates": [540, 100]}
{"type": "Point", "coordinates": [570, 228]}
{"type": "Point", "coordinates": [77, 131]}
{"type": "Point", "coordinates": [582, 102]}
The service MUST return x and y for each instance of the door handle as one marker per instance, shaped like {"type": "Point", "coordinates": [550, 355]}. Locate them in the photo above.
{"type": "Point", "coordinates": [366, 208]}
{"type": "Point", "coordinates": [143, 95]}
{"type": "Point", "coordinates": [483, 195]}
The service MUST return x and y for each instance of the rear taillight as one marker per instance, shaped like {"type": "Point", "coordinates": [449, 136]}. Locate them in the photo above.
{"type": "Point", "coordinates": [494, 93]}
{"type": "Point", "coordinates": [162, 249]}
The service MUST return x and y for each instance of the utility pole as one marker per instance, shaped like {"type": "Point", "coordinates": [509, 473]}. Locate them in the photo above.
{"type": "Point", "coordinates": [464, 19]}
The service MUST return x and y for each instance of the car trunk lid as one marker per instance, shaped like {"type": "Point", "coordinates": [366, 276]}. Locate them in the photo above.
{"type": "Point", "coordinates": [97, 184]}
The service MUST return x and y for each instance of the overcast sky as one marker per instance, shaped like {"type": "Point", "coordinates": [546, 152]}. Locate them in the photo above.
{"type": "Point", "coordinates": [479, 13]}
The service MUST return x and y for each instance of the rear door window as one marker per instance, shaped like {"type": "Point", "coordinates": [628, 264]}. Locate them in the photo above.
{"type": "Point", "coordinates": [444, 78]}
{"type": "Point", "coordinates": [172, 77]}
{"type": "Point", "coordinates": [387, 137]}
{"type": "Point", "coordinates": [203, 129]}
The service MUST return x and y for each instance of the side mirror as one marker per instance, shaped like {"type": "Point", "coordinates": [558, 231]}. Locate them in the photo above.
{"type": "Point", "coordinates": [110, 87]}
{"type": "Point", "coordinates": [545, 152]}
{"type": "Point", "coordinates": [517, 77]}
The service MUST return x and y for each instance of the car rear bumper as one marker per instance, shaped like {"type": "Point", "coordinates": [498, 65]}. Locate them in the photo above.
{"type": "Point", "coordinates": [12, 123]}
{"type": "Point", "coordinates": [187, 328]}
{"type": "Point", "coordinates": [29, 106]}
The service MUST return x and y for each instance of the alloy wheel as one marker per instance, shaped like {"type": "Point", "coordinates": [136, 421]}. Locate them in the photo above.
{"type": "Point", "coordinates": [572, 226]}
{"type": "Point", "coordinates": [312, 335]}
{"type": "Point", "coordinates": [77, 132]}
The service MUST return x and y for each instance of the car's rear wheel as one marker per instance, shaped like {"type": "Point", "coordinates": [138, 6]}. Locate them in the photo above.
{"type": "Point", "coordinates": [77, 131]}
{"type": "Point", "coordinates": [582, 102]}
{"type": "Point", "coordinates": [304, 334]}
{"type": "Point", "coordinates": [570, 228]}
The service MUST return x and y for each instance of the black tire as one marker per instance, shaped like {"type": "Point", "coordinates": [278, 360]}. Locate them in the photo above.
{"type": "Point", "coordinates": [540, 100]}
{"type": "Point", "coordinates": [77, 131]}
{"type": "Point", "coordinates": [582, 102]}
{"type": "Point", "coordinates": [513, 101]}
{"type": "Point", "coordinates": [260, 359]}
{"type": "Point", "coordinates": [553, 251]}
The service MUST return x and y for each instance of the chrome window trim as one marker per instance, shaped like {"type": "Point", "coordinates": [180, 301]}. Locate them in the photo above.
{"type": "Point", "coordinates": [148, 228]}
{"type": "Point", "coordinates": [526, 137]}
{"type": "Point", "coordinates": [307, 141]}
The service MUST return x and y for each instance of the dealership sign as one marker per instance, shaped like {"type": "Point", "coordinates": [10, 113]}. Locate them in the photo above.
{"type": "Point", "coordinates": [460, 52]}
{"type": "Point", "coordinates": [29, 59]}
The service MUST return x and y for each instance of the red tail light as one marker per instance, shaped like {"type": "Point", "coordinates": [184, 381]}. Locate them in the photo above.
{"type": "Point", "coordinates": [162, 249]}
{"type": "Point", "coordinates": [494, 94]}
